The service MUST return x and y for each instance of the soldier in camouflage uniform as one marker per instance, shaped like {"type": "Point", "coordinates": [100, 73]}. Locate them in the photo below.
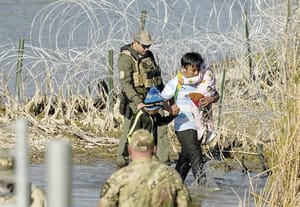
{"type": "Point", "coordinates": [138, 72]}
{"type": "Point", "coordinates": [145, 181]}
{"type": "Point", "coordinates": [7, 184]}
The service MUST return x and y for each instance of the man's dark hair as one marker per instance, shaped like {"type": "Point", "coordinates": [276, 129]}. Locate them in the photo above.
{"type": "Point", "coordinates": [192, 58]}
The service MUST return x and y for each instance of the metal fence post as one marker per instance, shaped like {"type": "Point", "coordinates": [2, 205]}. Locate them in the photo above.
{"type": "Point", "coordinates": [143, 19]}
{"type": "Point", "coordinates": [59, 174]}
{"type": "Point", "coordinates": [19, 68]}
{"type": "Point", "coordinates": [22, 184]}
{"type": "Point", "coordinates": [248, 46]}
{"type": "Point", "coordinates": [221, 103]}
{"type": "Point", "coordinates": [110, 80]}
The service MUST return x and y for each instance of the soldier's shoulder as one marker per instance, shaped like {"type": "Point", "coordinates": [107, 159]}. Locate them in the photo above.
{"type": "Point", "coordinates": [120, 173]}
{"type": "Point", "coordinates": [170, 172]}
{"type": "Point", "coordinates": [125, 53]}
{"type": "Point", "coordinates": [125, 56]}
{"type": "Point", "coordinates": [162, 169]}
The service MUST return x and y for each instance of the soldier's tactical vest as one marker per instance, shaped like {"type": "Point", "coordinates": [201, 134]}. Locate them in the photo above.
{"type": "Point", "coordinates": [146, 73]}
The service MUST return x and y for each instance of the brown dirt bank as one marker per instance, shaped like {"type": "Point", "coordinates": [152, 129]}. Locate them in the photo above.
{"type": "Point", "coordinates": [87, 150]}
{"type": "Point", "coordinates": [83, 148]}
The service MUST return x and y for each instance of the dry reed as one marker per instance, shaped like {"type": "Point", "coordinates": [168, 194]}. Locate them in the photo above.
{"type": "Point", "coordinates": [65, 64]}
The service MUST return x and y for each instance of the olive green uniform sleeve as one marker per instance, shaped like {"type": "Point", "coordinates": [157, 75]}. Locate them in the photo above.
{"type": "Point", "coordinates": [126, 65]}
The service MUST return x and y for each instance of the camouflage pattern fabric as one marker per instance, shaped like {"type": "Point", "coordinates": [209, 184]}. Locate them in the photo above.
{"type": "Point", "coordinates": [7, 183]}
{"type": "Point", "coordinates": [38, 198]}
{"type": "Point", "coordinates": [145, 183]}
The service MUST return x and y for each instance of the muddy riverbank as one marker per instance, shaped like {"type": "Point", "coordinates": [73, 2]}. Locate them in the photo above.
{"type": "Point", "coordinates": [86, 151]}
{"type": "Point", "coordinates": [37, 139]}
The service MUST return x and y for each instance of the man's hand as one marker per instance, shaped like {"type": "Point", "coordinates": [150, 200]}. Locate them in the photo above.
{"type": "Point", "coordinates": [140, 106]}
{"type": "Point", "coordinates": [174, 110]}
{"type": "Point", "coordinates": [205, 101]}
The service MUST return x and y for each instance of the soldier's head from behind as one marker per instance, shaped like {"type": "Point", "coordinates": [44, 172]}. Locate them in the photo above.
{"type": "Point", "coordinates": [142, 41]}
{"type": "Point", "coordinates": [141, 144]}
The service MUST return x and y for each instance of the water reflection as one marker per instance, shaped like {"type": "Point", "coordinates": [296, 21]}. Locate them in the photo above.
{"type": "Point", "coordinates": [230, 189]}
{"type": "Point", "coordinates": [86, 180]}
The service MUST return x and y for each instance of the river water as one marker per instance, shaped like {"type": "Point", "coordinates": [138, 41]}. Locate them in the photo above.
{"type": "Point", "coordinates": [214, 15]}
{"type": "Point", "coordinates": [230, 189]}
{"type": "Point", "coordinates": [86, 180]}
{"type": "Point", "coordinates": [233, 186]}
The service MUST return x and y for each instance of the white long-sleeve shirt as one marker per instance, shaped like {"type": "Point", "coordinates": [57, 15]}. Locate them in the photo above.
{"type": "Point", "coordinates": [185, 119]}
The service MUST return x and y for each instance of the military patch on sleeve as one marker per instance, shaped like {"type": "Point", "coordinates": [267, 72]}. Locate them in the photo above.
{"type": "Point", "coordinates": [122, 74]}
{"type": "Point", "coordinates": [105, 189]}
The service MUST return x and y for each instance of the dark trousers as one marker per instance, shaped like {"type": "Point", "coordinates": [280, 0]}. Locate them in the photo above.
{"type": "Point", "coordinates": [123, 155]}
{"type": "Point", "coordinates": [190, 155]}
{"type": "Point", "coordinates": [162, 152]}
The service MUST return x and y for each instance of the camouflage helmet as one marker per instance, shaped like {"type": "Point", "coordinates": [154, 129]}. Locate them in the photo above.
{"type": "Point", "coordinates": [7, 164]}
{"type": "Point", "coordinates": [141, 140]}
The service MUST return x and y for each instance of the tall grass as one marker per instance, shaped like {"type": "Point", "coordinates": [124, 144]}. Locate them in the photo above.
{"type": "Point", "coordinates": [65, 62]}
{"type": "Point", "coordinates": [283, 187]}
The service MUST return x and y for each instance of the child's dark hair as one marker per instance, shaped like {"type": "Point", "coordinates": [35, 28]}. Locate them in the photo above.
{"type": "Point", "coordinates": [192, 58]}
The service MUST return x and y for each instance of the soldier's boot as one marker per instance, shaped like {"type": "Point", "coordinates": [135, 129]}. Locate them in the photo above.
{"type": "Point", "coordinates": [162, 145]}
{"type": "Point", "coordinates": [123, 155]}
